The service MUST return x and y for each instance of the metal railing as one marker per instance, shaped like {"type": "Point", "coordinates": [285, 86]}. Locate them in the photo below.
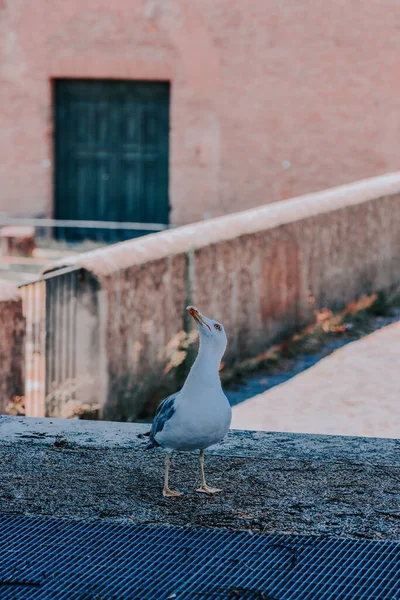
{"type": "Point", "coordinates": [61, 337]}
{"type": "Point", "coordinates": [78, 231]}
{"type": "Point", "coordinates": [50, 311]}
{"type": "Point", "coordinates": [6, 221]}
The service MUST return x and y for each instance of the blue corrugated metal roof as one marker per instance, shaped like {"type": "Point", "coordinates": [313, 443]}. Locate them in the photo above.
{"type": "Point", "coordinates": [43, 558]}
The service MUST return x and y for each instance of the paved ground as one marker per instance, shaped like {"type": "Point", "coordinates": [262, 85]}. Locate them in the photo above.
{"type": "Point", "coordinates": [354, 391]}
{"type": "Point", "coordinates": [272, 482]}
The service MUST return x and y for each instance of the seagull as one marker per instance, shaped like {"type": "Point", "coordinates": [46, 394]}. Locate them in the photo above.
{"type": "Point", "coordinates": [199, 415]}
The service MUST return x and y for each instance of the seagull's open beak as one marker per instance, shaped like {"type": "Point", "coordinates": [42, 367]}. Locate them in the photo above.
{"type": "Point", "coordinates": [197, 316]}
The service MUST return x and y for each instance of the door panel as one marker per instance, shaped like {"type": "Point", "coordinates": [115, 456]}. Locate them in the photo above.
{"type": "Point", "coordinates": [111, 153]}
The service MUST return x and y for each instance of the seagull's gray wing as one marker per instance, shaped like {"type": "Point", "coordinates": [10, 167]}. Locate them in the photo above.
{"type": "Point", "coordinates": [164, 412]}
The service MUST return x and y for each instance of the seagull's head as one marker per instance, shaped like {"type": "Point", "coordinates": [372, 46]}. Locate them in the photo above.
{"type": "Point", "coordinates": [212, 333]}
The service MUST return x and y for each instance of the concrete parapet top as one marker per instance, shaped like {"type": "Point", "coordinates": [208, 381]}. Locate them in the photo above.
{"type": "Point", "coordinates": [273, 482]}
{"type": "Point", "coordinates": [108, 260]}
{"type": "Point", "coordinates": [8, 291]}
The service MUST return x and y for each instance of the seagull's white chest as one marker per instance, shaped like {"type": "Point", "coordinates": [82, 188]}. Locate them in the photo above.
{"type": "Point", "coordinates": [200, 420]}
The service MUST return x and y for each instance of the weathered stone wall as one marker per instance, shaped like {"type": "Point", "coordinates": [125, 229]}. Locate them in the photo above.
{"type": "Point", "coordinates": [12, 335]}
{"type": "Point", "coordinates": [266, 95]}
{"type": "Point", "coordinates": [255, 271]}
{"type": "Point", "coordinates": [144, 317]}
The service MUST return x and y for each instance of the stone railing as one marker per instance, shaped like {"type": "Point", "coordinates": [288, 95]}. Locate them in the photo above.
{"type": "Point", "coordinates": [255, 271]}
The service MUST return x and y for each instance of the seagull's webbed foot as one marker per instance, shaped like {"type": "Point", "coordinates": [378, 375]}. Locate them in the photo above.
{"type": "Point", "coordinates": [167, 493]}
{"type": "Point", "coordinates": [205, 489]}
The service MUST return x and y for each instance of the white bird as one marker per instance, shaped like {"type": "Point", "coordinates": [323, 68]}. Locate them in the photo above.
{"type": "Point", "coordinates": [199, 415]}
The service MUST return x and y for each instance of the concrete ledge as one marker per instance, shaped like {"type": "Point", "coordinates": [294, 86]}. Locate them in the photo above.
{"type": "Point", "coordinates": [9, 291]}
{"type": "Point", "coordinates": [113, 259]}
{"type": "Point", "coordinates": [273, 482]}
{"type": "Point", "coordinates": [262, 272]}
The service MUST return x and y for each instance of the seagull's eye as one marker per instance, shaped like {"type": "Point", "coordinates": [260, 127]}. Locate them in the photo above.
{"type": "Point", "coordinates": [217, 326]}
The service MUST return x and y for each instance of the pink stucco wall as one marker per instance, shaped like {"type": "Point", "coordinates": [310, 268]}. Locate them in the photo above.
{"type": "Point", "coordinates": [269, 99]}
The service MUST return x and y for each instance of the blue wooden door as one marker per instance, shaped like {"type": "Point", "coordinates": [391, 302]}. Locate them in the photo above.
{"type": "Point", "coordinates": [111, 153]}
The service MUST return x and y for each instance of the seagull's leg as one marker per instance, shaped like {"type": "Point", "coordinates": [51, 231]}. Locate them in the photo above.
{"type": "Point", "coordinates": [167, 493]}
{"type": "Point", "coordinates": [204, 487]}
